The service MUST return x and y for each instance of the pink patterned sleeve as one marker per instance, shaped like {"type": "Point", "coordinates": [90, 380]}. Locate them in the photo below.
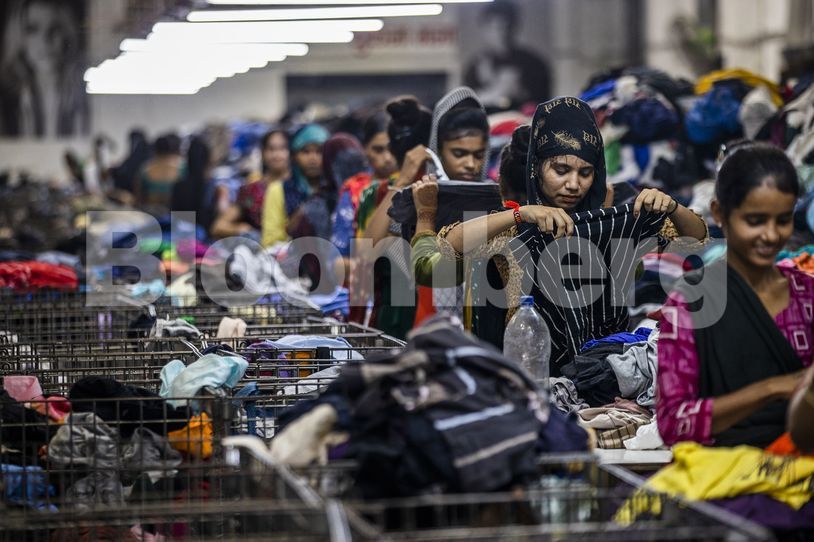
{"type": "Point", "coordinates": [681, 413]}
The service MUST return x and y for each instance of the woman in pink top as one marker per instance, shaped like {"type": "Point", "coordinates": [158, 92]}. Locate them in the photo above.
{"type": "Point", "coordinates": [727, 382]}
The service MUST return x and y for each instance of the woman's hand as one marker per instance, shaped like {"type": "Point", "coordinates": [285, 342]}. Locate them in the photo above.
{"type": "Point", "coordinates": [425, 194]}
{"type": "Point", "coordinates": [654, 201]}
{"type": "Point", "coordinates": [414, 160]}
{"type": "Point", "coordinates": [551, 220]}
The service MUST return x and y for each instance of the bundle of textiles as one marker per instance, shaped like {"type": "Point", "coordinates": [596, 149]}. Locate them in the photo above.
{"type": "Point", "coordinates": [448, 414]}
{"type": "Point", "coordinates": [26, 389]}
{"type": "Point", "coordinates": [640, 118]}
{"type": "Point", "coordinates": [770, 490]}
{"type": "Point", "coordinates": [611, 385]}
{"type": "Point", "coordinates": [37, 217]}
{"type": "Point", "coordinates": [101, 465]}
{"type": "Point", "coordinates": [111, 444]}
{"type": "Point", "coordinates": [25, 276]}
{"type": "Point", "coordinates": [455, 200]}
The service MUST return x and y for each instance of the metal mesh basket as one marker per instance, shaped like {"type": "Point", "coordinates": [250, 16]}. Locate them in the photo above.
{"type": "Point", "coordinates": [574, 498]}
{"type": "Point", "coordinates": [148, 470]}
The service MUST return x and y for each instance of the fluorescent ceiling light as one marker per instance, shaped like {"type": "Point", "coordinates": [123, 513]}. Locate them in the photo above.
{"type": "Point", "coordinates": [271, 27]}
{"type": "Point", "coordinates": [170, 39]}
{"type": "Point", "coordinates": [141, 91]}
{"type": "Point", "coordinates": [339, 31]}
{"type": "Point", "coordinates": [240, 49]}
{"type": "Point", "coordinates": [410, 10]}
{"type": "Point", "coordinates": [336, 2]}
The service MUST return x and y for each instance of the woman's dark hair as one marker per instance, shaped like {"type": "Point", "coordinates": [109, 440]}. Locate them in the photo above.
{"type": "Point", "coordinates": [374, 125]}
{"type": "Point", "coordinates": [124, 174]}
{"type": "Point", "coordinates": [191, 193]}
{"type": "Point", "coordinates": [271, 133]}
{"type": "Point", "coordinates": [513, 160]}
{"type": "Point", "coordinates": [410, 126]}
{"type": "Point", "coordinates": [748, 167]}
{"type": "Point", "coordinates": [167, 144]}
{"type": "Point", "coordinates": [463, 122]}
{"type": "Point", "coordinates": [265, 141]}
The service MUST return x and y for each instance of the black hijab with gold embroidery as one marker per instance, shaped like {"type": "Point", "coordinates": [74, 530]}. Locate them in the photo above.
{"type": "Point", "coordinates": [562, 126]}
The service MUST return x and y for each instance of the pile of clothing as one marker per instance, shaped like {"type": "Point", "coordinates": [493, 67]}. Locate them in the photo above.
{"type": "Point", "coordinates": [771, 490]}
{"type": "Point", "coordinates": [611, 386]}
{"type": "Point", "coordinates": [641, 121]}
{"type": "Point", "coordinates": [449, 414]}
{"type": "Point", "coordinates": [26, 276]}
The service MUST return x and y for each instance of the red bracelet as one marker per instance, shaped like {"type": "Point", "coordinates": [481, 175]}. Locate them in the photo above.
{"type": "Point", "coordinates": [515, 207]}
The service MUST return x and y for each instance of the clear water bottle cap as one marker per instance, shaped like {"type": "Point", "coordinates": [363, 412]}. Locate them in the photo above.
{"type": "Point", "coordinates": [527, 301]}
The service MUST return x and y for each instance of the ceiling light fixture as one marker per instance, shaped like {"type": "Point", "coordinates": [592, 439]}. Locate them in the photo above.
{"type": "Point", "coordinates": [409, 10]}
{"type": "Point", "coordinates": [337, 2]}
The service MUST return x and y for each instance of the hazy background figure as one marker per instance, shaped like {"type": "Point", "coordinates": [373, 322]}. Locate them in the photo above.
{"type": "Point", "coordinates": [42, 59]}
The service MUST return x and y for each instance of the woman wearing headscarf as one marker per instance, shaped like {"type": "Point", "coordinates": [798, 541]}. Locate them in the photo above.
{"type": "Point", "coordinates": [283, 199]}
{"type": "Point", "coordinates": [381, 165]}
{"type": "Point", "coordinates": [566, 190]}
{"type": "Point", "coordinates": [460, 138]}
{"type": "Point", "coordinates": [342, 157]}
{"type": "Point", "coordinates": [485, 320]}
{"type": "Point", "coordinates": [409, 134]}
{"type": "Point", "coordinates": [246, 214]}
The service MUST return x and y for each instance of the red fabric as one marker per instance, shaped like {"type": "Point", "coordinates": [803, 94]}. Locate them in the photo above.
{"type": "Point", "coordinates": [783, 446]}
{"type": "Point", "coordinates": [505, 128]}
{"type": "Point", "coordinates": [26, 276]}
{"type": "Point", "coordinates": [424, 307]}
{"type": "Point", "coordinates": [356, 185]}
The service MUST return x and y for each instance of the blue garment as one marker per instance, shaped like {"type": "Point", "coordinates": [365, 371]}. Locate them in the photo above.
{"type": "Point", "coordinates": [169, 373]}
{"type": "Point", "coordinates": [714, 117]}
{"type": "Point", "coordinates": [598, 90]}
{"type": "Point", "coordinates": [260, 421]}
{"type": "Point", "coordinates": [210, 370]}
{"type": "Point", "coordinates": [27, 486]}
{"type": "Point", "coordinates": [638, 336]}
{"type": "Point", "coordinates": [153, 288]}
{"type": "Point", "coordinates": [343, 224]}
{"type": "Point", "coordinates": [339, 300]}
{"type": "Point", "coordinates": [648, 120]}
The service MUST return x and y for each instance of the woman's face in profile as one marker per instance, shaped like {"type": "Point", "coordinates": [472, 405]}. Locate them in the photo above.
{"type": "Point", "coordinates": [44, 36]}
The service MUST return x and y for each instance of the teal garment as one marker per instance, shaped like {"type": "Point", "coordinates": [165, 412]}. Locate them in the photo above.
{"type": "Point", "coordinates": [156, 196]}
{"type": "Point", "coordinates": [169, 373]}
{"type": "Point", "coordinates": [150, 187]}
{"type": "Point", "coordinates": [210, 370]}
{"type": "Point", "coordinates": [783, 254]}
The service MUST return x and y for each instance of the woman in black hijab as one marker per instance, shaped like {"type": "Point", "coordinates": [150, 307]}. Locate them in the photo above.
{"type": "Point", "coordinates": [566, 190]}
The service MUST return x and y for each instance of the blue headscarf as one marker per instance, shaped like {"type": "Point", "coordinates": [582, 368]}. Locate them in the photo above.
{"type": "Point", "coordinates": [310, 134]}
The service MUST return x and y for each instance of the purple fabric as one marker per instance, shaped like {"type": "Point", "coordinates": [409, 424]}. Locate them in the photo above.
{"type": "Point", "coordinates": [769, 512]}
{"type": "Point", "coordinates": [190, 249]}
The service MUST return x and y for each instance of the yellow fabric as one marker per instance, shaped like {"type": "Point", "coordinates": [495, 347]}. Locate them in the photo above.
{"type": "Point", "coordinates": [275, 218]}
{"type": "Point", "coordinates": [705, 83]}
{"type": "Point", "coordinates": [700, 473]}
{"type": "Point", "coordinates": [195, 439]}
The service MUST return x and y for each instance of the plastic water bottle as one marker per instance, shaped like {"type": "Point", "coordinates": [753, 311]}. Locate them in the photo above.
{"type": "Point", "coordinates": [528, 341]}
